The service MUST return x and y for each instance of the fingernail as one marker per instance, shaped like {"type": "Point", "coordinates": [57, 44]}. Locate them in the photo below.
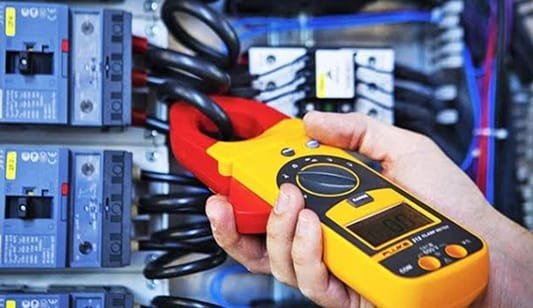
{"type": "Point", "coordinates": [302, 227]}
{"type": "Point", "coordinates": [282, 204]}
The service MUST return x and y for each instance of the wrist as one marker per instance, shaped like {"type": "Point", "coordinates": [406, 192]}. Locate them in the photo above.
{"type": "Point", "coordinates": [510, 247]}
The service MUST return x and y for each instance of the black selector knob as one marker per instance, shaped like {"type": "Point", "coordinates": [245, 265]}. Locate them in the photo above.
{"type": "Point", "coordinates": [328, 180]}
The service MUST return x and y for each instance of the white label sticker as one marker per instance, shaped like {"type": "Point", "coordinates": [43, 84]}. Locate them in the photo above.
{"type": "Point", "coordinates": [334, 73]}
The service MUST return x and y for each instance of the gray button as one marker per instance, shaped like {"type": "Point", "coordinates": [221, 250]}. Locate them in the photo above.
{"type": "Point", "coordinates": [360, 199]}
{"type": "Point", "coordinates": [288, 152]}
{"type": "Point", "coordinates": [313, 144]}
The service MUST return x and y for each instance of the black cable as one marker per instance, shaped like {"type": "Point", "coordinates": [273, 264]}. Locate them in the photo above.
{"type": "Point", "coordinates": [240, 75]}
{"type": "Point", "coordinates": [304, 88]}
{"type": "Point", "coordinates": [183, 65]}
{"type": "Point", "coordinates": [408, 73]}
{"type": "Point", "coordinates": [418, 98]}
{"type": "Point", "coordinates": [373, 86]}
{"type": "Point", "coordinates": [163, 268]}
{"type": "Point", "coordinates": [500, 54]}
{"type": "Point", "coordinates": [180, 240]}
{"type": "Point", "coordinates": [212, 19]}
{"type": "Point", "coordinates": [245, 92]}
{"type": "Point", "coordinates": [506, 196]}
{"type": "Point", "coordinates": [186, 238]}
{"type": "Point", "coordinates": [172, 91]}
{"type": "Point", "coordinates": [414, 112]}
{"type": "Point", "coordinates": [175, 203]}
{"type": "Point", "coordinates": [304, 57]}
{"type": "Point", "coordinates": [184, 79]}
{"type": "Point", "coordinates": [301, 75]}
{"type": "Point", "coordinates": [157, 124]}
{"type": "Point", "coordinates": [179, 302]}
{"type": "Point", "coordinates": [176, 179]}
{"type": "Point", "coordinates": [185, 232]}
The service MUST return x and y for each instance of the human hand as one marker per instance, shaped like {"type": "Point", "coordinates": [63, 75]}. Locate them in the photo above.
{"type": "Point", "coordinates": [292, 250]}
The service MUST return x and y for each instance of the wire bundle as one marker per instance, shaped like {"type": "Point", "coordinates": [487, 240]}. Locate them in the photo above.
{"type": "Point", "coordinates": [492, 86]}
{"type": "Point", "coordinates": [179, 240]}
{"type": "Point", "coordinates": [179, 77]}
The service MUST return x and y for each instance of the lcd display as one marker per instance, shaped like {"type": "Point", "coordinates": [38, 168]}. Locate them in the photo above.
{"type": "Point", "coordinates": [389, 224]}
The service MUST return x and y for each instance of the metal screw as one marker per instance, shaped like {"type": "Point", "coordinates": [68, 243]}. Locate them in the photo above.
{"type": "Point", "coordinates": [372, 113]}
{"type": "Point", "coordinates": [152, 156]}
{"type": "Point", "coordinates": [152, 284]}
{"type": "Point", "coordinates": [271, 59]}
{"type": "Point", "coordinates": [87, 28]}
{"type": "Point", "coordinates": [150, 6]}
{"type": "Point", "coordinates": [150, 133]}
{"type": "Point", "coordinates": [151, 30]}
{"type": "Point", "coordinates": [150, 258]}
{"type": "Point", "coordinates": [270, 85]}
{"type": "Point", "coordinates": [86, 106]}
{"type": "Point", "coordinates": [87, 169]}
{"type": "Point", "coordinates": [346, 108]}
{"type": "Point", "coordinates": [371, 61]}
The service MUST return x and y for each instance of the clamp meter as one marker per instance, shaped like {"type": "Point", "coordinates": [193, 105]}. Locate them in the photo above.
{"type": "Point", "coordinates": [379, 239]}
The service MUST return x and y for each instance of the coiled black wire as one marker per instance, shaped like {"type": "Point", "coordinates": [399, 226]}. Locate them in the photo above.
{"type": "Point", "coordinates": [180, 241]}
{"type": "Point", "coordinates": [176, 179]}
{"type": "Point", "coordinates": [172, 91]}
{"type": "Point", "coordinates": [191, 202]}
{"type": "Point", "coordinates": [191, 70]}
{"type": "Point", "coordinates": [215, 21]}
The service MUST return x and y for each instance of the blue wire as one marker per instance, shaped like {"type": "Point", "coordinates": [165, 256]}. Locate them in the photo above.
{"type": "Point", "coordinates": [215, 288]}
{"type": "Point", "coordinates": [475, 100]}
{"type": "Point", "coordinates": [336, 21]}
{"type": "Point", "coordinates": [490, 139]}
{"type": "Point", "coordinates": [417, 16]}
{"type": "Point", "coordinates": [257, 21]}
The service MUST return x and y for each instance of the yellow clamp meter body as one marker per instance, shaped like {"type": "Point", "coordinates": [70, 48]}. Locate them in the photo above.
{"type": "Point", "coordinates": [379, 239]}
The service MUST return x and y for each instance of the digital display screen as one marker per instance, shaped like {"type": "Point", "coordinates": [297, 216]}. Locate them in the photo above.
{"type": "Point", "coordinates": [389, 224]}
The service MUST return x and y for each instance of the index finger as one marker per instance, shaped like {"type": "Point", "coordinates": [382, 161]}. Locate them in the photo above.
{"type": "Point", "coordinates": [249, 250]}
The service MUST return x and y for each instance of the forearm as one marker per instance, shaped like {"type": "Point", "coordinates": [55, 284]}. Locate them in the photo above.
{"type": "Point", "coordinates": [511, 261]}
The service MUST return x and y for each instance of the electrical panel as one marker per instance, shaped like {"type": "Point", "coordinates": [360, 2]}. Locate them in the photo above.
{"type": "Point", "coordinates": [64, 208]}
{"type": "Point", "coordinates": [65, 297]}
{"type": "Point", "coordinates": [64, 66]}
{"type": "Point", "coordinates": [87, 196]}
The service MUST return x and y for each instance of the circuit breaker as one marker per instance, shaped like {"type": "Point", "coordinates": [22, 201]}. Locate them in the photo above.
{"type": "Point", "coordinates": [65, 297]}
{"type": "Point", "coordinates": [64, 66]}
{"type": "Point", "coordinates": [64, 208]}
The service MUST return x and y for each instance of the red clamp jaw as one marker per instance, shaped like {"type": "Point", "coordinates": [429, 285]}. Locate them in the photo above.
{"type": "Point", "coordinates": [190, 146]}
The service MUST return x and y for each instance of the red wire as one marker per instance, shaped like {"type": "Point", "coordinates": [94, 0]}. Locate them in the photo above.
{"type": "Point", "coordinates": [483, 139]}
{"type": "Point", "coordinates": [138, 117]}
{"type": "Point", "coordinates": [140, 44]}
{"type": "Point", "coordinates": [139, 78]}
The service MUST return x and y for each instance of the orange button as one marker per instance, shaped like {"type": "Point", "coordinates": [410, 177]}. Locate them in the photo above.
{"type": "Point", "coordinates": [429, 263]}
{"type": "Point", "coordinates": [456, 251]}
